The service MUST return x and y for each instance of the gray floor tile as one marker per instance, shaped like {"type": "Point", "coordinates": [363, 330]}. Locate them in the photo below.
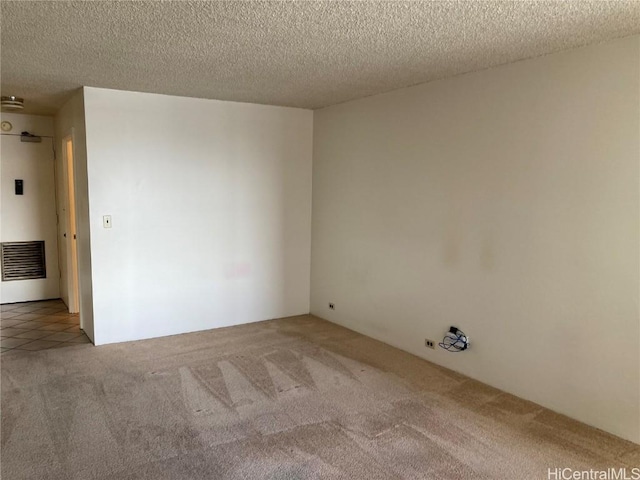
{"type": "Point", "coordinates": [33, 326]}
{"type": "Point", "coordinates": [30, 309]}
{"type": "Point", "coordinates": [54, 327]}
{"type": "Point", "coordinates": [10, 323]}
{"type": "Point", "coordinates": [26, 317]}
{"type": "Point", "coordinates": [12, 332]}
{"type": "Point", "coordinates": [61, 336]}
{"type": "Point", "coordinates": [81, 339]}
{"type": "Point", "coordinates": [37, 345]}
{"type": "Point", "coordinates": [33, 334]}
{"type": "Point", "coordinates": [14, 342]}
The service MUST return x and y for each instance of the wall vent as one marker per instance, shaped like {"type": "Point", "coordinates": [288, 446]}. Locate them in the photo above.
{"type": "Point", "coordinates": [23, 261]}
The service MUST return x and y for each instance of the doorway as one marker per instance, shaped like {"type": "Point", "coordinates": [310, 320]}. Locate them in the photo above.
{"type": "Point", "coordinates": [70, 233]}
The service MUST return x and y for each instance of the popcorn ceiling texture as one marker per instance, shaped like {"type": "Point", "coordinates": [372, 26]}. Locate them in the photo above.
{"type": "Point", "coordinates": [300, 54]}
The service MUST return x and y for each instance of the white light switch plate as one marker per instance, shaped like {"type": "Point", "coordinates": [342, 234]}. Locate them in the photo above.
{"type": "Point", "coordinates": [106, 221]}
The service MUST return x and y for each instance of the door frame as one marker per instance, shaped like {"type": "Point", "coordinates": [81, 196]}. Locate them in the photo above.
{"type": "Point", "coordinates": [71, 222]}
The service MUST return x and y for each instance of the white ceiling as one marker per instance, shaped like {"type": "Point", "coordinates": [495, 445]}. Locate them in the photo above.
{"type": "Point", "coordinates": [305, 54]}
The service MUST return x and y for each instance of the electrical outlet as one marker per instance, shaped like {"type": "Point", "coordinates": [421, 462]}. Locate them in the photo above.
{"type": "Point", "coordinates": [332, 306]}
{"type": "Point", "coordinates": [429, 343]}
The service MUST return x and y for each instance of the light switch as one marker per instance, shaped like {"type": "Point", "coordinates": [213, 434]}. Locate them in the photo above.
{"type": "Point", "coordinates": [106, 221]}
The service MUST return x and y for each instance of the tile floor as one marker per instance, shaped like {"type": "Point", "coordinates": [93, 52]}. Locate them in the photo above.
{"type": "Point", "coordinates": [32, 326]}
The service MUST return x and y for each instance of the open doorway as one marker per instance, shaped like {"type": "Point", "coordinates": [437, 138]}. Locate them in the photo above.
{"type": "Point", "coordinates": [70, 232]}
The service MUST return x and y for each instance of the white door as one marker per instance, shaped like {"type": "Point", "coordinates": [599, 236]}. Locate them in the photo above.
{"type": "Point", "coordinates": [30, 216]}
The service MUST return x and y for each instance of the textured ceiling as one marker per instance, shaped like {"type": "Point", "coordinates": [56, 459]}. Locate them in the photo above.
{"type": "Point", "coordinates": [304, 54]}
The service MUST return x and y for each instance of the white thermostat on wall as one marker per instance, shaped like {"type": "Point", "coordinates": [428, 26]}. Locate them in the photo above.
{"type": "Point", "coordinates": [6, 126]}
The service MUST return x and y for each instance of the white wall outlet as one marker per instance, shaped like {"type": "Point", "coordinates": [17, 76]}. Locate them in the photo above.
{"type": "Point", "coordinates": [332, 306]}
{"type": "Point", "coordinates": [429, 343]}
{"type": "Point", "coordinates": [106, 221]}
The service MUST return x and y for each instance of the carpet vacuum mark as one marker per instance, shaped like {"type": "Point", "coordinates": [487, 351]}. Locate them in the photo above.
{"type": "Point", "coordinates": [294, 398]}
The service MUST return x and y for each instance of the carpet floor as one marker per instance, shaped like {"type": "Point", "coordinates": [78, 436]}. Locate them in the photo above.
{"type": "Point", "coordinates": [294, 398]}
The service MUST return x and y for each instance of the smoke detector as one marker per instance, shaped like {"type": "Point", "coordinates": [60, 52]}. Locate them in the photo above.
{"type": "Point", "coordinates": [12, 103]}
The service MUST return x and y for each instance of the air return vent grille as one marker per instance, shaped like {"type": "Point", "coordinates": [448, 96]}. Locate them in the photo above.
{"type": "Point", "coordinates": [23, 261]}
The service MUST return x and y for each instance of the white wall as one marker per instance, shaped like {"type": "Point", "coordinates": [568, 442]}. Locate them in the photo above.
{"type": "Point", "coordinates": [70, 120]}
{"type": "Point", "coordinates": [31, 216]}
{"type": "Point", "coordinates": [211, 213]}
{"type": "Point", "coordinates": [504, 202]}
{"type": "Point", "coordinates": [36, 124]}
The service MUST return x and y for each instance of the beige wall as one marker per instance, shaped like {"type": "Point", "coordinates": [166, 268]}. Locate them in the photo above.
{"type": "Point", "coordinates": [505, 202]}
{"type": "Point", "coordinates": [211, 212]}
{"type": "Point", "coordinates": [31, 216]}
{"type": "Point", "coordinates": [70, 120]}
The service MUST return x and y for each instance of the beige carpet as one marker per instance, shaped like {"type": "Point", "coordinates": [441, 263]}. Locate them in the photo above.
{"type": "Point", "coordinates": [295, 398]}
